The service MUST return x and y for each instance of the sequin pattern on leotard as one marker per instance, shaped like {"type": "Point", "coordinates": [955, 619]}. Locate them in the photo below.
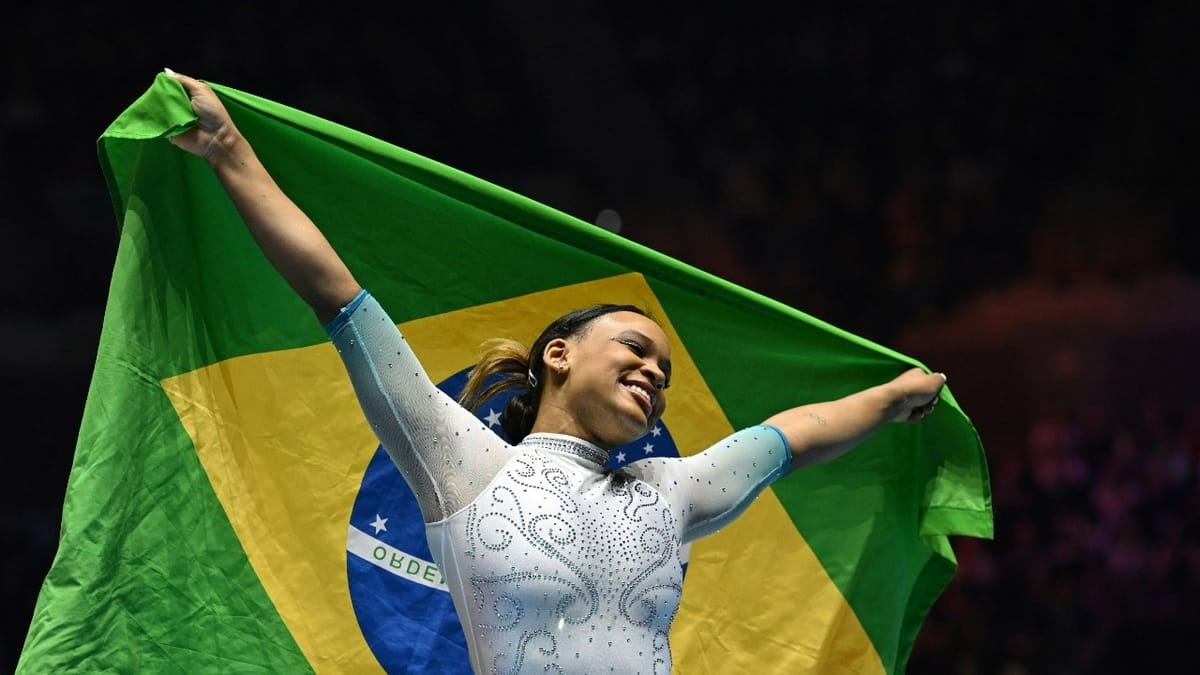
{"type": "Point", "coordinates": [564, 563]}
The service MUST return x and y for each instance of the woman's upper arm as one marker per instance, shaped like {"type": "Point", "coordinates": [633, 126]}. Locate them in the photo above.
{"type": "Point", "coordinates": [714, 487]}
{"type": "Point", "coordinates": [444, 452]}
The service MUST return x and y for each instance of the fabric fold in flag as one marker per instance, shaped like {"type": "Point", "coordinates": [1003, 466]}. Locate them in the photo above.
{"type": "Point", "coordinates": [229, 510]}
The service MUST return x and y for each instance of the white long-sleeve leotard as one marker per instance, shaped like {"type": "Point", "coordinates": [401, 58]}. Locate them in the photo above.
{"type": "Point", "coordinates": [554, 563]}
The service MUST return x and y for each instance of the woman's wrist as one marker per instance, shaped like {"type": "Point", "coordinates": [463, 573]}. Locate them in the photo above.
{"type": "Point", "coordinates": [227, 150]}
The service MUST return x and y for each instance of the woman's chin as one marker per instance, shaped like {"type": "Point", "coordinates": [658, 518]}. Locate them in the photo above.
{"type": "Point", "coordinates": [625, 425]}
{"type": "Point", "coordinates": [631, 433]}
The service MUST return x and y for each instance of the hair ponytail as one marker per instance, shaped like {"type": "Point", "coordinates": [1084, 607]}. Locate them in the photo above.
{"type": "Point", "coordinates": [508, 359]}
{"type": "Point", "coordinates": [519, 414]}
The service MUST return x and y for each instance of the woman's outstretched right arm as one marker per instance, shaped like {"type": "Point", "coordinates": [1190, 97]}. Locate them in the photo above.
{"type": "Point", "coordinates": [286, 235]}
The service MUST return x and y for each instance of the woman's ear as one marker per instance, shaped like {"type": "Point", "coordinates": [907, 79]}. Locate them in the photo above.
{"type": "Point", "coordinates": [555, 354]}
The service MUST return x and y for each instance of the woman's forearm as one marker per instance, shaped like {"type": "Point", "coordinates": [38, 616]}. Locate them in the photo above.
{"type": "Point", "coordinates": [287, 236]}
{"type": "Point", "coordinates": [820, 432]}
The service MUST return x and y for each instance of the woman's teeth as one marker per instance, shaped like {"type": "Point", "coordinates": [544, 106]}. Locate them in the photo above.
{"type": "Point", "coordinates": [643, 395]}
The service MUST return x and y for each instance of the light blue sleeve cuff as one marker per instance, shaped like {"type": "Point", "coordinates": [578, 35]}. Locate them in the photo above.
{"type": "Point", "coordinates": [337, 323]}
{"type": "Point", "coordinates": [785, 464]}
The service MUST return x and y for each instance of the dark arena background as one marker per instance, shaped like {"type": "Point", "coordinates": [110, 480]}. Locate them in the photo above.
{"type": "Point", "coordinates": [1008, 194]}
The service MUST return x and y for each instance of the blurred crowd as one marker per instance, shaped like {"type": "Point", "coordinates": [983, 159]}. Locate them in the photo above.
{"type": "Point", "coordinates": [881, 169]}
{"type": "Point", "coordinates": [1095, 566]}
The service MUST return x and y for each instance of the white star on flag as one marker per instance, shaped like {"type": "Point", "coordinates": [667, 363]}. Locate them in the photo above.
{"type": "Point", "coordinates": [379, 524]}
{"type": "Point", "coordinates": [493, 418]}
{"type": "Point", "coordinates": [620, 457]}
{"type": "Point", "coordinates": [648, 448]}
{"type": "Point", "coordinates": [656, 431]}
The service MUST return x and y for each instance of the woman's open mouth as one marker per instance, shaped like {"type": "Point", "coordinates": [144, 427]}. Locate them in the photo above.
{"type": "Point", "coordinates": [645, 397]}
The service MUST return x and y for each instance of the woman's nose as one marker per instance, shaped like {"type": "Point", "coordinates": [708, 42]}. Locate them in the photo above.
{"type": "Point", "coordinates": [655, 375]}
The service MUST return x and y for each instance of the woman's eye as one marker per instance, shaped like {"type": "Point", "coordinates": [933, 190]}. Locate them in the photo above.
{"type": "Point", "coordinates": [637, 348]}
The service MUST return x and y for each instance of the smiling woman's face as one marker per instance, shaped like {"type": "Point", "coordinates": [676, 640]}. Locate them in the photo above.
{"type": "Point", "coordinates": [612, 387]}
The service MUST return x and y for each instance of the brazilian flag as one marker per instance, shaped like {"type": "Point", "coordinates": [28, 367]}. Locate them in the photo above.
{"type": "Point", "coordinates": [230, 511]}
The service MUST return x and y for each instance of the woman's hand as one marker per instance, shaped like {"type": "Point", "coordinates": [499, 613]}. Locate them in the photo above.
{"type": "Point", "coordinates": [917, 394]}
{"type": "Point", "coordinates": [214, 130]}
